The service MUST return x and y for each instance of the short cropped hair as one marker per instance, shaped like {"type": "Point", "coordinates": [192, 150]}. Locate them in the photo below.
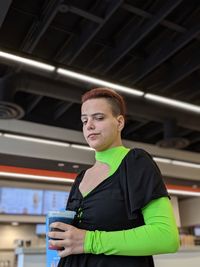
{"type": "Point", "coordinates": [115, 100]}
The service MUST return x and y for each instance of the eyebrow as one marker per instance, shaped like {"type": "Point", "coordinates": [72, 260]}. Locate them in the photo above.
{"type": "Point", "coordinates": [94, 114]}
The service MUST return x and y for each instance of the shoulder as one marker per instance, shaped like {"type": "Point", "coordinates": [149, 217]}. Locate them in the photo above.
{"type": "Point", "coordinates": [78, 179]}
{"type": "Point", "coordinates": [139, 153]}
{"type": "Point", "coordinates": [140, 157]}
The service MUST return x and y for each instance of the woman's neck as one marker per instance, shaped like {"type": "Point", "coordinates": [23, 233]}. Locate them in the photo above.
{"type": "Point", "coordinates": [111, 157]}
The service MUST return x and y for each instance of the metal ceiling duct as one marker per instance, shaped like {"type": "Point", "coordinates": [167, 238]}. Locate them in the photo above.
{"type": "Point", "coordinates": [171, 138]}
{"type": "Point", "coordinates": [9, 109]}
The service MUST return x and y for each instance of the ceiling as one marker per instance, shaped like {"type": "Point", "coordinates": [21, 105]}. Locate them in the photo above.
{"type": "Point", "coordinates": [149, 45]}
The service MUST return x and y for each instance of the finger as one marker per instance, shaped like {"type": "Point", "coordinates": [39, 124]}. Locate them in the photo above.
{"type": "Point", "coordinates": [57, 235]}
{"type": "Point", "coordinates": [61, 225]}
{"type": "Point", "coordinates": [59, 243]}
{"type": "Point", "coordinates": [65, 252]}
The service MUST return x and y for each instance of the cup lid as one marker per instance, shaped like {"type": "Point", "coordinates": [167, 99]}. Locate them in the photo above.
{"type": "Point", "coordinates": [66, 213]}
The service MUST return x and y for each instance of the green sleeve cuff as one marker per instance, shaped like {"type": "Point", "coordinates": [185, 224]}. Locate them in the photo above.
{"type": "Point", "coordinates": [88, 241]}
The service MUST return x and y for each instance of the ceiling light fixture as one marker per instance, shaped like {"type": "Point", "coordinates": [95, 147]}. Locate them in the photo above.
{"type": "Point", "coordinates": [26, 61]}
{"type": "Point", "coordinates": [82, 147]}
{"type": "Point", "coordinates": [100, 82]}
{"type": "Point", "coordinates": [163, 160]}
{"type": "Point", "coordinates": [14, 223]}
{"type": "Point", "coordinates": [75, 166]}
{"type": "Point", "coordinates": [186, 164]}
{"type": "Point", "coordinates": [183, 192]}
{"type": "Point", "coordinates": [177, 162]}
{"type": "Point", "coordinates": [35, 177]}
{"type": "Point", "coordinates": [172, 102]}
{"type": "Point", "coordinates": [37, 140]}
{"type": "Point", "coordinates": [61, 164]}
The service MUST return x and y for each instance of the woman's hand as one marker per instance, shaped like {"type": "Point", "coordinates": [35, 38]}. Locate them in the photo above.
{"type": "Point", "coordinates": [72, 239]}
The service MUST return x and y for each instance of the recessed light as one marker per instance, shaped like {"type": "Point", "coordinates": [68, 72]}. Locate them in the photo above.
{"type": "Point", "coordinates": [75, 166]}
{"type": "Point", "coordinates": [27, 61]}
{"type": "Point", "coordinates": [14, 223]}
{"type": "Point", "coordinates": [61, 164]}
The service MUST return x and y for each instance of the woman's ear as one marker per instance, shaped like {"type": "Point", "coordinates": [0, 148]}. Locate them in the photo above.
{"type": "Point", "coordinates": [121, 122]}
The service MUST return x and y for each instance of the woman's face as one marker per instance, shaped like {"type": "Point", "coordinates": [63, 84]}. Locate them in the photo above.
{"type": "Point", "coordinates": [101, 129]}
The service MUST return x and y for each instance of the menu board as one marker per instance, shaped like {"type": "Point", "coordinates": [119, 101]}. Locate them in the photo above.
{"type": "Point", "coordinates": [21, 201]}
{"type": "Point", "coordinates": [40, 229]}
{"type": "Point", "coordinates": [54, 200]}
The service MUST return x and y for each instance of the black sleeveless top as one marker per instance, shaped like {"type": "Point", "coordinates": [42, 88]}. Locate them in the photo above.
{"type": "Point", "coordinates": [115, 204]}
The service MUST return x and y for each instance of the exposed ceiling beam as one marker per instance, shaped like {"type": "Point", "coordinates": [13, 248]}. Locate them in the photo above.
{"type": "Point", "coordinates": [180, 72]}
{"type": "Point", "coordinates": [141, 108]}
{"type": "Point", "coordinates": [195, 138]}
{"type": "Point", "coordinates": [132, 128]}
{"type": "Point", "coordinates": [40, 26]}
{"type": "Point", "coordinates": [82, 13]}
{"type": "Point", "coordinates": [149, 135]}
{"type": "Point", "coordinates": [61, 109]}
{"type": "Point", "coordinates": [135, 36]}
{"type": "Point", "coordinates": [136, 107]}
{"type": "Point", "coordinates": [89, 31]}
{"type": "Point", "coordinates": [4, 7]}
{"type": "Point", "coordinates": [48, 87]}
{"type": "Point", "coordinates": [167, 51]}
{"type": "Point", "coordinates": [185, 132]}
{"type": "Point", "coordinates": [34, 102]}
{"type": "Point", "coordinates": [195, 96]}
{"type": "Point", "coordinates": [147, 15]}
{"type": "Point", "coordinates": [188, 89]}
{"type": "Point", "coordinates": [193, 146]}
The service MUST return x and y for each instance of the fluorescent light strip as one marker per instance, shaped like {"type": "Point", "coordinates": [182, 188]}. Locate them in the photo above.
{"type": "Point", "coordinates": [100, 82]}
{"type": "Point", "coordinates": [26, 61]}
{"type": "Point", "coordinates": [82, 147]}
{"type": "Point", "coordinates": [183, 192]}
{"type": "Point", "coordinates": [172, 102]}
{"type": "Point", "coordinates": [44, 141]}
{"type": "Point", "coordinates": [163, 160]}
{"type": "Point", "coordinates": [35, 177]}
{"type": "Point", "coordinates": [186, 164]}
{"type": "Point", "coordinates": [177, 162]}
{"type": "Point", "coordinates": [37, 140]}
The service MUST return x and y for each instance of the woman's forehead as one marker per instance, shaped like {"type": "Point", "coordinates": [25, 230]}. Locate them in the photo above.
{"type": "Point", "coordinates": [97, 105]}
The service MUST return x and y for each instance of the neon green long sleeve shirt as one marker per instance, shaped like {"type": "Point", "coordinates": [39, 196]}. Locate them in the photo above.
{"type": "Point", "coordinates": [158, 235]}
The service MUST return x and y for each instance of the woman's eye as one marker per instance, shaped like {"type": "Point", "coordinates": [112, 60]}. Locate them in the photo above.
{"type": "Point", "coordinates": [99, 118]}
{"type": "Point", "coordinates": [84, 122]}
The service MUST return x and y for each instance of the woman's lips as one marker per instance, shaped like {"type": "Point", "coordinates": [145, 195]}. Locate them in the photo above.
{"type": "Point", "coordinates": [91, 136]}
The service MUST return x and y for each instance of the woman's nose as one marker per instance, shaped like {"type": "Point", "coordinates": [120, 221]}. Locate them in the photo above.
{"type": "Point", "coordinates": [90, 124]}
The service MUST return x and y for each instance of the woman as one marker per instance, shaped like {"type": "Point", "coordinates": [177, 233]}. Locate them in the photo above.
{"type": "Point", "coordinates": [123, 210]}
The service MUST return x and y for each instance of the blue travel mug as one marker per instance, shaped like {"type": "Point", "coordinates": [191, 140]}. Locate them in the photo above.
{"type": "Point", "coordinates": [59, 216]}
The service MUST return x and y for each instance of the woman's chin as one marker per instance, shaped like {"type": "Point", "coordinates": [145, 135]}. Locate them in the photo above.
{"type": "Point", "coordinates": [95, 146]}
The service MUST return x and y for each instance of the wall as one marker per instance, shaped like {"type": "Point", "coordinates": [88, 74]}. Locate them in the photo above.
{"type": "Point", "coordinates": [190, 211]}
{"type": "Point", "coordinates": [9, 235]}
{"type": "Point", "coordinates": [175, 204]}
